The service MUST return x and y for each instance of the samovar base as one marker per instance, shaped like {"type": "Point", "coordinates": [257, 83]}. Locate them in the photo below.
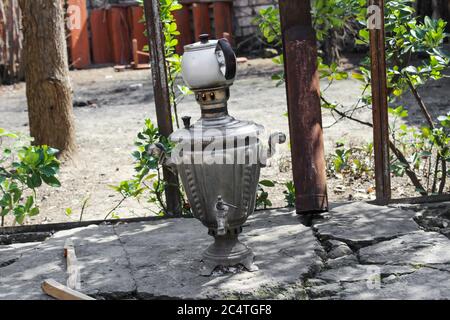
{"type": "Point", "coordinates": [227, 251]}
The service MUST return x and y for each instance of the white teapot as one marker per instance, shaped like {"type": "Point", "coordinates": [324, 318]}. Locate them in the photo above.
{"type": "Point", "coordinates": [208, 64]}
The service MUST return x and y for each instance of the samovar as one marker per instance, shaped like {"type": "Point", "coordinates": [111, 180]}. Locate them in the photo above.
{"type": "Point", "coordinates": [219, 158]}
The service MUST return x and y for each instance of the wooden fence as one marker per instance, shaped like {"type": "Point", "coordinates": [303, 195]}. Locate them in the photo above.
{"type": "Point", "coordinates": [105, 35]}
{"type": "Point", "coordinates": [10, 41]}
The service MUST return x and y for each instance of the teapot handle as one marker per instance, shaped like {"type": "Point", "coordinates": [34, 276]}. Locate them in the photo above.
{"type": "Point", "coordinates": [230, 58]}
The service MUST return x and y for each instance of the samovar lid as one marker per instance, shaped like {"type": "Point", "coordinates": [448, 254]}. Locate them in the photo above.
{"type": "Point", "coordinates": [204, 43]}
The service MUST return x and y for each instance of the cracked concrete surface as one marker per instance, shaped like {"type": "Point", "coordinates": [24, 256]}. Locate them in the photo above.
{"type": "Point", "coordinates": [393, 257]}
{"type": "Point", "coordinates": [161, 260]}
{"type": "Point", "coordinates": [357, 251]}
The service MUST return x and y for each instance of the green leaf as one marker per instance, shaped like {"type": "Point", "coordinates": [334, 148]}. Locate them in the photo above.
{"type": "Point", "coordinates": [34, 181]}
{"type": "Point", "coordinates": [34, 212]}
{"type": "Point", "coordinates": [267, 183]}
{"type": "Point", "coordinates": [29, 203]}
{"type": "Point", "coordinates": [51, 181]}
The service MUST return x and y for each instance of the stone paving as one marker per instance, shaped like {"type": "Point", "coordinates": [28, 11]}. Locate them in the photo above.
{"type": "Point", "coordinates": [356, 251]}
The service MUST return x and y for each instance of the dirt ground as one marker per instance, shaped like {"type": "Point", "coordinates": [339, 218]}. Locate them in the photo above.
{"type": "Point", "coordinates": [106, 132]}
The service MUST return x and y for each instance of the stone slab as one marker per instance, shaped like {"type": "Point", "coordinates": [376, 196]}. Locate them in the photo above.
{"type": "Point", "coordinates": [161, 259]}
{"type": "Point", "coordinates": [360, 224]}
{"type": "Point", "coordinates": [100, 257]}
{"type": "Point", "coordinates": [360, 272]}
{"type": "Point", "coordinates": [416, 248]}
{"type": "Point", "coordinates": [424, 284]}
{"type": "Point", "coordinates": [285, 252]}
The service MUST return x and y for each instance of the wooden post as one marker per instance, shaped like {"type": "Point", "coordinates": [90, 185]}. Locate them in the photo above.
{"type": "Point", "coordinates": [223, 19]}
{"type": "Point", "coordinates": [135, 53]}
{"type": "Point", "coordinates": [79, 36]}
{"type": "Point", "coordinates": [137, 26]}
{"type": "Point", "coordinates": [202, 24]}
{"type": "Point", "coordinates": [119, 34]}
{"type": "Point", "coordinates": [182, 18]}
{"type": "Point", "coordinates": [305, 117]}
{"type": "Point", "coordinates": [102, 48]}
{"type": "Point", "coordinates": [379, 102]}
{"type": "Point", "coordinates": [162, 97]}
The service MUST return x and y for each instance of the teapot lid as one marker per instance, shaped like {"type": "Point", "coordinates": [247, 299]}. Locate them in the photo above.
{"type": "Point", "coordinates": [204, 43]}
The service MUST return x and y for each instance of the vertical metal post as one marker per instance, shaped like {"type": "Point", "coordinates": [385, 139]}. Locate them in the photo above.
{"type": "Point", "coordinates": [303, 95]}
{"type": "Point", "coordinates": [161, 93]}
{"type": "Point", "coordinates": [379, 101]}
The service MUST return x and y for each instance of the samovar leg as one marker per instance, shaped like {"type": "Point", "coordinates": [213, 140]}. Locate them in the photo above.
{"type": "Point", "coordinates": [207, 268]}
{"type": "Point", "coordinates": [227, 251]}
{"type": "Point", "coordinates": [248, 263]}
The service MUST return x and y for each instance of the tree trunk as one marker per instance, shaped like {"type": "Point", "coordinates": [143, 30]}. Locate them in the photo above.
{"type": "Point", "coordinates": [49, 93]}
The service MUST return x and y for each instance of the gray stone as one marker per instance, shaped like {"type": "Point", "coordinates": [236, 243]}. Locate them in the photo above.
{"type": "Point", "coordinates": [99, 254]}
{"type": "Point", "coordinates": [342, 261]}
{"type": "Point", "coordinates": [11, 253]}
{"type": "Point", "coordinates": [315, 282]}
{"type": "Point", "coordinates": [359, 224]}
{"type": "Point", "coordinates": [424, 284]}
{"type": "Point", "coordinates": [363, 272]}
{"type": "Point", "coordinates": [162, 259]}
{"type": "Point", "coordinates": [416, 248]}
{"type": "Point", "coordinates": [340, 251]}
{"type": "Point", "coordinates": [326, 290]}
{"type": "Point", "coordinates": [284, 249]}
{"type": "Point", "coordinates": [390, 278]}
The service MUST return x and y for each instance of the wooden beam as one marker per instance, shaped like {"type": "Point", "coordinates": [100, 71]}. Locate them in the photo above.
{"type": "Point", "coordinates": [61, 292]}
{"type": "Point", "coordinates": [303, 96]}
{"type": "Point", "coordinates": [162, 96]}
{"type": "Point", "coordinates": [73, 269]}
{"type": "Point", "coordinates": [379, 102]}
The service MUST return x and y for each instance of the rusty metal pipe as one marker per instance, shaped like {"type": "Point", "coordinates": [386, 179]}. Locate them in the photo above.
{"type": "Point", "coordinates": [303, 96]}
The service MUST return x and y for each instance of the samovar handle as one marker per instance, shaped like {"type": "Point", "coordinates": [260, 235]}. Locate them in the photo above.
{"type": "Point", "coordinates": [158, 150]}
{"type": "Point", "coordinates": [275, 138]}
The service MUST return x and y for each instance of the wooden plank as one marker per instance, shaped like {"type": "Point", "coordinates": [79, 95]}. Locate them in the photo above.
{"type": "Point", "coordinates": [120, 35]}
{"type": "Point", "coordinates": [162, 96]}
{"type": "Point", "coordinates": [202, 23]}
{"type": "Point", "coordinates": [52, 227]}
{"type": "Point", "coordinates": [380, 106]}
{"type": "Point", "coordinates": [304, 109]}
{"type": "Point", "coordinates": [183, 20]}
{"type": "Point", "coordinates": [79, 36]}
{"type": "Point", "coordinates": [68, 245]}
{"type": "Point", "coordinates": [61, 292]}
{"type": "Point", "coordinates": [135, 53]}
{"type": "Point", "coordinates": [73, 269]}
{"type": "Point", "coordinates": [424, 199]}
{"type": "Point", "coordinates": [102, 48]}
{"type": "Point", "coordinates": [223, 20]}
{"type": "Point", "coordinates": [137, 25]}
